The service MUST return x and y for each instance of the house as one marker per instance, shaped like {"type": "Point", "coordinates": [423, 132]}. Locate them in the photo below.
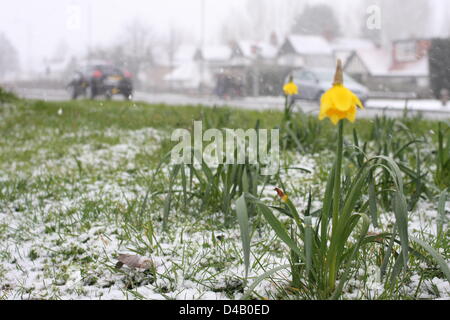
{"type": "Point", "coordinates": [343, 48]}
{"type": "Point", "coordinates": [306, 51]}
{"type": "Point", "coordinates": [169, 60]}
{"type": "Point", "coordinates": [189, 76]}
{"type": "Point", "coordinates": [402, 68]}
{"type": "Point", "coordinates": [164, 63]}
{"type": "Point", "coordinates": [57, 69]}
{"type": "Point", "coordinates": [194, 67]}
{"type": "Point", "coordinates": [214, 56]}
{"type": "Point", "coordinates": [248, 52]}
{"type": "Point", "coordinates": [254, 64]}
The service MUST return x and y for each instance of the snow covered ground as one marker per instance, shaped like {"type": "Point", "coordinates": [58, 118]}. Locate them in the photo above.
{"type": "Point", "coordinates": [60, 237]}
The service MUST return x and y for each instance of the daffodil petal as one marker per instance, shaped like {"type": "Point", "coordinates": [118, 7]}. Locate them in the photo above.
{"type": "Point", "coordinates": [358, 102]}
{"type": "Point", "coordinates": [339, 103]}
{"type": "Point", "coordinates": [290, 89]}
{"type": "Point", "coordinates": [351, 115]}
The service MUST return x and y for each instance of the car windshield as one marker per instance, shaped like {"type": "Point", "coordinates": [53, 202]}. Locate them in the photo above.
{"type": "Point", "coordinates": [328, 75]}
{"type": "Point", "coordinates": [303, 75]}
{"type": "Point", "coordinates": [106, 69]}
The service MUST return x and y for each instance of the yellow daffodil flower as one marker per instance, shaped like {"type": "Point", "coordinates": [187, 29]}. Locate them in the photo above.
{"type": "Point", "coordinates": [339, 102]}
{"type": "Point", "coordinates": [290, 88]}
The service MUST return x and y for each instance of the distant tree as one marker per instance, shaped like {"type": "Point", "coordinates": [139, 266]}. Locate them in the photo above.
{"type": "Point", "coordinates": [112, 54]}
{"type": "Point", "coordinates": [259, 20]}
{"type": "Point", "coordinates": [317, 20]}
{"type": "Point", "coordinates": [138, 42]}
{"type": "Point", "coordinates": [9, 61]}
{"type": "Point", "coordinates": [439, 66]}
{"type": "Point", "coordinates": [172, 44]}
{"type": "Point", "coordinates": [246, 24]}
{"type": "Point", "coordinates": [134, 50]}
{"type": "Point", "coordinates": [230, 32]}
{"type": "Point", "coordinates": [61, 52]}
{"type": "Point", "coordinates": [259, 13]}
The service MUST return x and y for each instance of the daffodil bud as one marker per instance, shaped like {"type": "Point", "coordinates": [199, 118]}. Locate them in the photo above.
{"type": "Point", "coordinates": [282, 195]}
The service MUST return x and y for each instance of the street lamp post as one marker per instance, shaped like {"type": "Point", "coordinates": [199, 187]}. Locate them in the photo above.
{"type": "Point", "coordinates": [89, 30]}
{"type": "Point", "coordinates": [202, 42]}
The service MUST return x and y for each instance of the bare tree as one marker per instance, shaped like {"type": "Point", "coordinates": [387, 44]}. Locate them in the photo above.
{"type": "Point", "coordinates": [9, 61]}
{"type": "Point", "coordinates": [134, 50]}
{"type": "Point", "coordinates": [173, 43]}
{"type": "Point", "coordinates": [259, 14]}
{"type": "Point", "coordinates": [114, 54]}
{"type": "Point", "coordinates": [235, 27]}
{"type": "Point", "coordinates": [317, 20]}
{"type": "Point", "coordinates": [260, 19]}
{"type": "Point", "coordinates": [62, 50]}
{"type": "Point", "coordinates": [137, 45]}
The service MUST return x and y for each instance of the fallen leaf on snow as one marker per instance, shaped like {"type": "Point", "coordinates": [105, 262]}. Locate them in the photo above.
{"type": "Point", "coordinates": [134, 261]}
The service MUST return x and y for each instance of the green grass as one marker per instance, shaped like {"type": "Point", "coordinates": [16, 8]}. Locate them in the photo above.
{"type": "Point", "coordinates": [77, 175]}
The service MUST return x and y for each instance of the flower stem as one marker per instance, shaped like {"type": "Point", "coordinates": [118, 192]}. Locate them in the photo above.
{"type": "Point", "coordinates": [332, 262]}
{"type": "Point", "coordinates": [337, 177]}
{"type": "Point", "coordinates": [286, 109]}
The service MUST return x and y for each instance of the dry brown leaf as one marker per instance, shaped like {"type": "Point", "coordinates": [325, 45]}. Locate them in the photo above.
{"type": "Point", "coordinates": [104, 240]}
{"type": "Point", "coordinates": [134, 261]}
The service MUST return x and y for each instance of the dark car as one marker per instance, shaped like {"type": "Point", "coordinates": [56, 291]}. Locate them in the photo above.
{"type": "Point", "coordinates": [101, 79]}
{"type": "Point", "coordinates": [78, 85]}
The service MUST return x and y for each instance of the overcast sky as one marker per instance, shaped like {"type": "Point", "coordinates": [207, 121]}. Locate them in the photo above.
{"type": "Point", "coordinates": [37, 27]}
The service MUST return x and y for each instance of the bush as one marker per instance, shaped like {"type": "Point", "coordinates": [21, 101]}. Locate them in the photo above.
{"type": "Point", "coordinates": [439, 61]}
{"type": "Point", "coordinates": [6, 96]}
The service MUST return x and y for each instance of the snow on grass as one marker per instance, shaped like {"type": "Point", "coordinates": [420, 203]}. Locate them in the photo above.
{"type": "Point", "coordinates": [72, 201]}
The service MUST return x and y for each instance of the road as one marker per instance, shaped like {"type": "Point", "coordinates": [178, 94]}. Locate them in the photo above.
{"type": "Point", "coordinates": [429, 109]}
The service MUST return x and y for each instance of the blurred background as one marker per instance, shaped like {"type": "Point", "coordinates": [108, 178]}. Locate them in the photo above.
{"type": "Point", "coordinates": [228, 49]}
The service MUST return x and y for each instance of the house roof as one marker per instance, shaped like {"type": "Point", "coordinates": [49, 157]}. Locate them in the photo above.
{"type": "Point", "coordinates": [57, 66]}
{"type": "Point", "coordinates": [344, 47]}
{"type": "Point", "coordinates": [419, 68]}
{"type": "Point", "coordinates": [190, 73]}
{"type": "Point", "coordinates": [216, 53]}
{"type": "Point", "coordinates": [379, 62]}
{"type": "Point", "coordinates": [351, 44]}
{"type": "Point", "coordinates": [310, 45]}
{"type": "Point", "coordinates": [263, 49]}
{"type": "Point", "coordinates": [183, 54]}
